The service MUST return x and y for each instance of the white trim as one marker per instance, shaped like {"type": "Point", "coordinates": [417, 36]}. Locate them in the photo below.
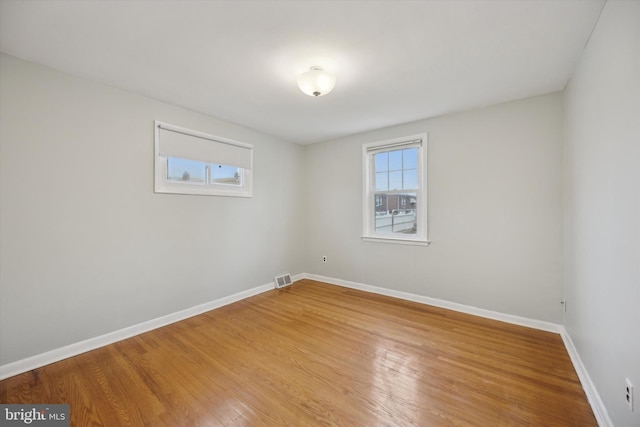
{"type": "Point", "coordinates": [597, 405]}
{"type": "Point", "coordinates": [42, 359]}
{"type": "Point", "coordinates": [462, 308]}
{"type": "Point", "coordinates": [33, 362]}
{"type": "Point", "coordinates": [368, 151]}
{"type": "Point", "coordinates": [380, 239]}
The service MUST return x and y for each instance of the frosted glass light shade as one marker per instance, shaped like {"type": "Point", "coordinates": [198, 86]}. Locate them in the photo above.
{"type": "Point", "coordinates": [316, 82]}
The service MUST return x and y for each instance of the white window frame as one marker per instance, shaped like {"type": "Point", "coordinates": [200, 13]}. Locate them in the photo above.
{"type": "Point", "coordinates": [368, 193]}
{"type": "Point", "coordinates": [163, 185]}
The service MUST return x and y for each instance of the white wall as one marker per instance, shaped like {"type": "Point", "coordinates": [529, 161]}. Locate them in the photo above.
{"type": "Point", "coordinates": [495, 211]}
{"type": "Point", "coordinates": [87, 248]}
{"type": "Point", "coordinates": [602, 207]}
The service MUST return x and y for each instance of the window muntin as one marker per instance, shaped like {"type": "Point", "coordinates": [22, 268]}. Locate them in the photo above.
{"type": "Point", "coordinates": [396, 169]}
{"type": "Point", "coordinates": [191, 162]}
{"type": "Point", "coordinates": [394, 199]}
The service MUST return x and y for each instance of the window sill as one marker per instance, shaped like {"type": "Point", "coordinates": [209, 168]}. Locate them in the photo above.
{"type": "Point", "coordinates": [396, 241]}
{"type": "Point", "coordinates": [202, 191]}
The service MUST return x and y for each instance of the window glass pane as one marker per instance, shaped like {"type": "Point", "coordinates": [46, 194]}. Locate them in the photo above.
{"type": "Point", "coordinates": [395, 180]}
{"type": "Point", "coordinates": [382, 181]}
{"type": "Point", "coordinates": [381, 204]}
{"type": "Point", "coordinates": [394, 191]}
{"type": "Point", "coordinates": [410, 158]}
{"type": "Point", "coordinates": [187, 171]}
{"type": "Point", "coordinates": [225, 175]}
{"type": "Point", "coordinates": [396, 214]}
{"type": "Point", "coordinates": [410, 179]}
{"type": "Point", "coordinates": [382, 161]}
{"type": "Point", "coordinates": [395, 160]}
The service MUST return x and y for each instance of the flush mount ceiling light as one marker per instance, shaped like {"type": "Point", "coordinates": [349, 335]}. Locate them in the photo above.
{"type": "Point", "coordinates": [316, 81]}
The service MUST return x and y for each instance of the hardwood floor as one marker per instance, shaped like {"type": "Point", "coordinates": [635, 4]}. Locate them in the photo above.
{"type": "Point", "coordinates": [314, 354]}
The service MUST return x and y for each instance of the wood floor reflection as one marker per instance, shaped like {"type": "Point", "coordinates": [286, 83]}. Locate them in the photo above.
{"type": "Point", "coordinates": [315, 354]}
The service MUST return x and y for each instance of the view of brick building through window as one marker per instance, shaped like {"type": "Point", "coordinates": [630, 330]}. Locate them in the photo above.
{"type": "Point", "coordinates": [395, 213]}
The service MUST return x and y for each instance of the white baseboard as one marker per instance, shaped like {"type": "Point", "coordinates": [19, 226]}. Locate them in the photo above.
{"type": "Point", "coordinates": [508, 318]}
{"type": "Point", "coordinates": [39, 360]}
{"type": "Point", "coordinates": [593, 397]}
{"type": "Point", "coordinates": [33, 362]}
{"type": "Point", "coordinates": [597, 405]}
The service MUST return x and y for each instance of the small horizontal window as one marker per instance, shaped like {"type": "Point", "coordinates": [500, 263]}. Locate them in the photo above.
{"type": "Point", "coordinates": [191, 162]}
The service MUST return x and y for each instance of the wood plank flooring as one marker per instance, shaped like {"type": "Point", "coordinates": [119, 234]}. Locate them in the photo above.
{"type": "Point", "coordinates": [314, 354]}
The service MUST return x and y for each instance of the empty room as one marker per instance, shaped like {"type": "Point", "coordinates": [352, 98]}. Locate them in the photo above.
{"type": "Point", "coordinates": [320, 213]}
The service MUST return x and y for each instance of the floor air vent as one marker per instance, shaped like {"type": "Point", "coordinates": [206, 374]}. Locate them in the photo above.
{"type": "Point", "coordinates": [282, 281]}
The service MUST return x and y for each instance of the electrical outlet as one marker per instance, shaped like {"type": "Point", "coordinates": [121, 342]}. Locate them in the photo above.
{"type": "Point", "coordinates": [563, 301]}
{"type": "Point", "coordinates": [324, 258]}
{"type": "Point", "coordinates": [629, 393]}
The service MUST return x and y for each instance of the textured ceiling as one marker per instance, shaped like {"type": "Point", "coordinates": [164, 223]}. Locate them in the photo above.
{"type": "Point", "coordinates": [395, 61]}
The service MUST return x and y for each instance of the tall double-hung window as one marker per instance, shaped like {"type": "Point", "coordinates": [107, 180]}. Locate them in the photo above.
{"type": "Point", "coordinates": [395, 190]}
{"type": "Point", "coordinates": [192, 162]}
